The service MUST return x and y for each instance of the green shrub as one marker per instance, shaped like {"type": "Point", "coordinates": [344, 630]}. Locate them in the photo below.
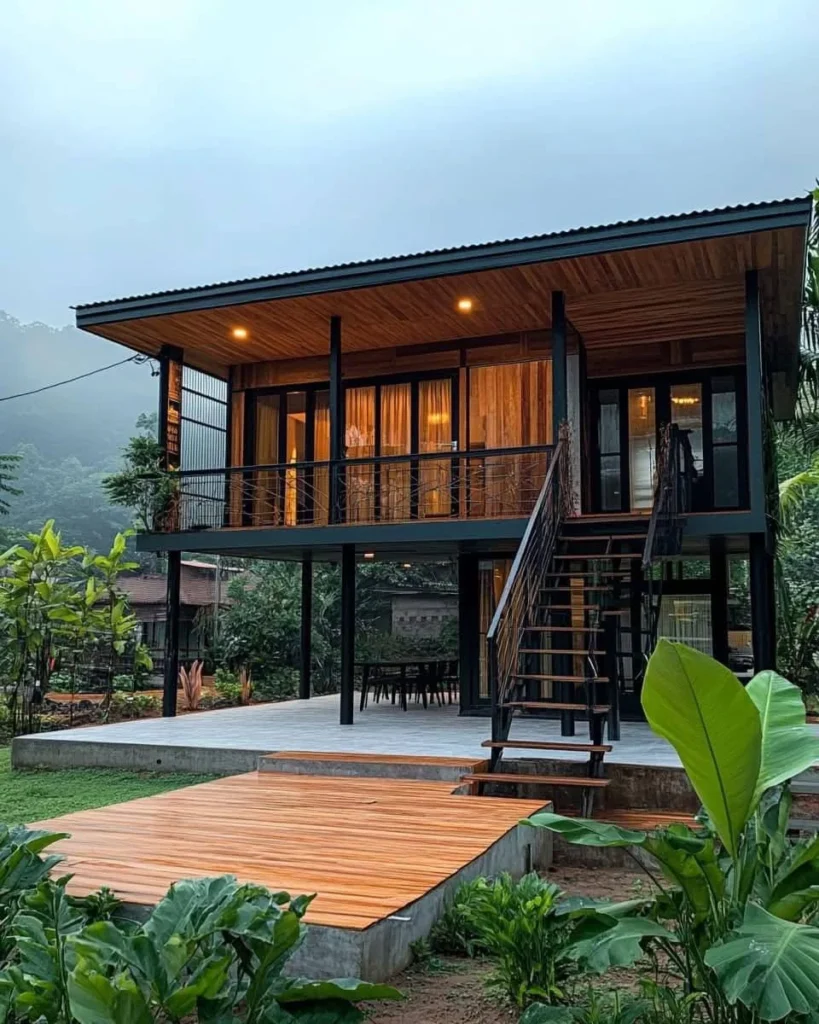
{"type": "Point", "coordinates": [124, 683]}
{"type": "Point", "coordinates": [517, 924]}
{"type": "Point", "coordinates": [60, 682]}
{"type": "Point", "coordinates": [212, 950]}
{"type": "Point", "coordinates": [133, 705]}
{"type": "Point", "coordinates": [227, 685]}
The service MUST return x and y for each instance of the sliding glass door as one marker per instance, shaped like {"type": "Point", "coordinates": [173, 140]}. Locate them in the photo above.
{"type": "Point", "coordinates": [627, 419]}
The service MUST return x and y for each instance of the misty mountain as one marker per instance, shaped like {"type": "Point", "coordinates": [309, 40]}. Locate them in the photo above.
{"type": "Point", "coordinates": [68, 437]}
{"type": "Point", "coordinates": [89, 419]}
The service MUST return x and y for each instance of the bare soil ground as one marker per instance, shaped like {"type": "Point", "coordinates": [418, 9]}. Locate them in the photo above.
{"type": "Point", "coordinates": [456, 993]}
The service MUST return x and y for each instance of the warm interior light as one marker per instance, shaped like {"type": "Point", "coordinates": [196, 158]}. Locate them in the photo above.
{"type": "Point", "coordinates": [685, 400]}
{"type": "Point", "coordinates": [239, 333]}
{"type": "Point", "coordinates": [369, 555]}
{"type": "Point", "coordinates": [438, 417]}
{"type": "Point", "coordinates": [407, 565]}
{"type": "Point", "coordinates": [464, 305]}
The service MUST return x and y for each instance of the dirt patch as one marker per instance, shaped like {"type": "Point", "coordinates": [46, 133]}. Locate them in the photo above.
{"type": "Point", "coordinates": [455, 992]}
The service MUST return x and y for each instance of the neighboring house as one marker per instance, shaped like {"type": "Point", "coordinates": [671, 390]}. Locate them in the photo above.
{"type": "Point", "coordinates": [147, 599]}
{"type": "Point", "coordinates": [413, 408]}
{"type": "Point", "coordinates": [421, 612]}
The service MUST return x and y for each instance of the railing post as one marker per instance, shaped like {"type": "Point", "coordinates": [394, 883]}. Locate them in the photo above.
{"type": "Point", "coordinates": [336, 421]}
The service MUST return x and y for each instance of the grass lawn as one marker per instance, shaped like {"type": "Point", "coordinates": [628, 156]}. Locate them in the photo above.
{"type": "Point", "coordinates": [35, 794]}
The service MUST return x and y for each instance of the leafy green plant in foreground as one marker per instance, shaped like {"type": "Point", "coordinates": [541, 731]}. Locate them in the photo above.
{"type": "Point", "coordinates": [738, 894]}
{"type": "Point", "coordinates": [212, 951]}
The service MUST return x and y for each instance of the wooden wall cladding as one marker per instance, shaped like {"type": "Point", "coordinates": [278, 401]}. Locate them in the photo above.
{"type": "Point", "coordinates": [665, 356]}
{"type": "Point", "coordinates": [407, 359]}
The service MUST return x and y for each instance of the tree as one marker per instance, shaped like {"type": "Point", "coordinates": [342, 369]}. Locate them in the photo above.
{"type": "Point", "coordinates": [8, 467]}
{"type": "Point", "coordinates": [142, 484]}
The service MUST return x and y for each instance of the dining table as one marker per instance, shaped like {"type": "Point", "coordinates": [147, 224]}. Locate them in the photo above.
{"type": "Point", "coordinates": [401, 675]}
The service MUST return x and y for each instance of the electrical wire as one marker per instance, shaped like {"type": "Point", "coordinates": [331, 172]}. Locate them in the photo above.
{"type": "Point", "coordinates": [81, 376]}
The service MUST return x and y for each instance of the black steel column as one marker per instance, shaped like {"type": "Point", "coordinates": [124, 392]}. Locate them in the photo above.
{"type": "Point", "coordinates": [719, 599]}
{"type": "Point", "coordinates": [469, 630]}
{"type": "Point", "coordinates": [560, 401]}
{"type": "Point", "coordinates": [336, 420]}
{"type": "Point", "coordinates": [755, 399]}
{"type": "Point", "coordinates": [347, 633]}
{"type": "Point", "coordinates": [763, 609]}
{"type": "Point", "coordinates": [306, 627]}
{"type": "Point", "coordinates": [171, 681]}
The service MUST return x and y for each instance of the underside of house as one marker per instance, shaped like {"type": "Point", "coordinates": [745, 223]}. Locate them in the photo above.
{"type": "Point", "coordinates": [581, 419]}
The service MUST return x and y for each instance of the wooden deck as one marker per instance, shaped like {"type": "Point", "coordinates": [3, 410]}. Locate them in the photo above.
{"type": "Point", "coordinates": [368, 847]}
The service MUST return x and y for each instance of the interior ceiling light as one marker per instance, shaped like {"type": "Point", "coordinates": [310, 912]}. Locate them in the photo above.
{"type": "Point", "coordinates": [685, 400]}
{"type": "Point", "coordinates": [369, 554]}
{"type": "Point", "coordinates": [464, 305]}
{"type": "Point", "coordinates": [240, 333]}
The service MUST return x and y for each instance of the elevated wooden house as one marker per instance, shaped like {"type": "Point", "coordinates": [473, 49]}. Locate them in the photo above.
{"type": "Point", "coordinates": [571, 416]}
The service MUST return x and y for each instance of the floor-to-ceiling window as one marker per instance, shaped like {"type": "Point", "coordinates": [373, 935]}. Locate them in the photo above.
{"type": "Point", "coordinates": [628, 417]}
{"type": "Point", "coordinates": [509, 407]}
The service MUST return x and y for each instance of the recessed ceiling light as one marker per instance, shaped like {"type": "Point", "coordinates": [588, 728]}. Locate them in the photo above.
{"type": "Point", "coordinates": [240, 333]}
{"type": "Point", "coordinates": [407, 565]}
{"type": "Point", "coordinates": [369, 554]}
{"type": "Point", "coordinates": [464, 305]}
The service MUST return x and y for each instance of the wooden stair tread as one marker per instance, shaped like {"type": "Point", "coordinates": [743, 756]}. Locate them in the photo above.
{"type": "Point", "coordinates": [583, 556]}
{"type": "Point", "coordinates": [564, 629]}
{"type": "Point", "coordinates": [600, 538]}
{"type": "Point", "coordinates": [577, 574]}
{"type": "Point", "coordinates": [540, 780]}
{"type": "Point", "coordinates": [574, 651]}
{"type": "Point", "coordinates": [559, 679]}
{"type": "Point", "coordinates": [597, 709]}
{"type": "Point", "coordinates": [585, 608]}
{"type": "Point", "coordinates": [585, 589]}
{"type": "Point", "coordinates": [587, 748]}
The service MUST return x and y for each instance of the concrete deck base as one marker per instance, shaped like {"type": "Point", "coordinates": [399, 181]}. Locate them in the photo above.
{"type": "Point", "coordinates": [371, 766]}
{"type": "Point", "coordinates": [383, 949]}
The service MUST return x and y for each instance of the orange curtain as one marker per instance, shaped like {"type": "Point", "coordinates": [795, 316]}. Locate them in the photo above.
{"type": "Point", "coordinates": [359, 439]}
{"type": "Point", "coordinates": [395, 440]}
{"type": "Point", "coordinates": [510, 406]}
{"type": "Point", "coordinates": [435, 435]}
{"type": "Point", "coordinates": [321, 453]}
{"type": "Point", "coordinates": [266, 504]}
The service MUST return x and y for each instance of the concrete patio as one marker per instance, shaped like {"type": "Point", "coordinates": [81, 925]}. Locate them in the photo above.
{"type": "Point", "coordinates": [231, 740]}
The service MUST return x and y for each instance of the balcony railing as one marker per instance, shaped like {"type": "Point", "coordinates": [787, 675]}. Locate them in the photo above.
{"type": "Point", "coordinates": [490, 484]}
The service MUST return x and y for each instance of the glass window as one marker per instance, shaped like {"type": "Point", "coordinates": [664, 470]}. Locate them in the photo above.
{"type": "Point", "coordinates": [611, 495]}
{"type": "Point", "coordinates": [686, 413]}
{"type": "Point", "coordinates": [642, 446]}
{"type": "Point", "coordinates": [395, 478]}
{"type": "Point", "coordinates": [687, 620]}
{"type": "Point", "coordinates": [510, 405]}
{"type": "Point", "coordinates": [435, 435]}
{"type": "Point", "coordinates": [725, 437]}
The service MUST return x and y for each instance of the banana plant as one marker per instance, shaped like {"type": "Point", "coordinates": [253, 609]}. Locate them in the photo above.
{"type": "Point", "coordinates": [738, 883]}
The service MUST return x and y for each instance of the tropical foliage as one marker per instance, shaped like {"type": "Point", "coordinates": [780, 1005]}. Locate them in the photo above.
{"type": "Point", "coordinates": [60, 609]}
{"type": "Point", "coordinates": [735, 898]}
{"type": "Point", "coordinates": [213, 950]}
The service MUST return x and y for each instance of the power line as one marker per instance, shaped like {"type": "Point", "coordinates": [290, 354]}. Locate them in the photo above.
{"type": "Point", "coordinates": [81, 376]}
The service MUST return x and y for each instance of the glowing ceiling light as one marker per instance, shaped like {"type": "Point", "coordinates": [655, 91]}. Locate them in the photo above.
{"type": "Point", "coordinates": [240, 333]}
{"type": "Point", "coordinates": [369, 555]}
{"type": "Point", "coordinates": [464, 305]}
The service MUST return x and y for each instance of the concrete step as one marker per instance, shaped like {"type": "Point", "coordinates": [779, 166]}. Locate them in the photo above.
{"type": "Point", "coordinates": [385, 766]}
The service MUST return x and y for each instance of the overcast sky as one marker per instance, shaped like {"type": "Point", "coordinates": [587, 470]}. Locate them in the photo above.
{"type": "Point", "coordinates": [149, 144]}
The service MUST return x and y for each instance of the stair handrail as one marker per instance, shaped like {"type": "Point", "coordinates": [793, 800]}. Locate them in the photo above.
{"type": "Point", "coordinates": [521, 592]}
{"type": "Point", "coordinates": [673, 498]}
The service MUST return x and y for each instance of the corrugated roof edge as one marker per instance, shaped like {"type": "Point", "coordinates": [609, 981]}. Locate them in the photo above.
{"type": "Point", "coordinates": [439, 262]}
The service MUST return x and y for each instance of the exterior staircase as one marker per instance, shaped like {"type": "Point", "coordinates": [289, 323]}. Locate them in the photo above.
{"type": "Point", "coordinates": [554, 645]}
{"type": "Point", "coordinates": [566, 665]}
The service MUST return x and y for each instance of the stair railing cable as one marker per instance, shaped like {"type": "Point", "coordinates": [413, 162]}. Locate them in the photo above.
{"type": "Point", "coordinates": [521, 594]}
{"type": "Point", "coordinates": [673, 498]}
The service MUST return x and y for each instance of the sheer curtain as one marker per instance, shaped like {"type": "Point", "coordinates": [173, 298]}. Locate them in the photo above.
{"type": "Point", "coordinates": [395, 440]}
{"type": "Point", "coordinates": [321, 453]}
{"type": "Point", "coordinates": [359, 439]}
{"type": "Point", "coordinates": [266, 504]}
{"type": "Point", "coordinates": [510, 406]}
{"type": "Point", "coordinates": [435, 435]}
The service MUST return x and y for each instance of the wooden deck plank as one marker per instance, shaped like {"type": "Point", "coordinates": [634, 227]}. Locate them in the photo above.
{"type": "Point", "coordinates": [367, 846]}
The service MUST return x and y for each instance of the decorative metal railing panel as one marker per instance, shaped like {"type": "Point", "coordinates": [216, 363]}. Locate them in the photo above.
{"type": "Point", "coordinates": [497, 484]}
{"type": "Point", "coordinates": [521, 593]}
{"type": "Point", "coordinates": [673, 499]}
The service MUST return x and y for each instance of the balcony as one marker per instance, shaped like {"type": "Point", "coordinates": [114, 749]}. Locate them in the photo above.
{"type": "Point", "coordinates": [485, 484]}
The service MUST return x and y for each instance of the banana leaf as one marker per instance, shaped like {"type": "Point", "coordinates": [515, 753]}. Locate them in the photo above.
{"type": "Point", "coordinates": [769, 965]}
{"type": "Point", "coordinates": [789, 745]}
{"type": "Point", "coordinates": [585, 831]}
{"type": "Point", "coordinates": [702, 709]}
